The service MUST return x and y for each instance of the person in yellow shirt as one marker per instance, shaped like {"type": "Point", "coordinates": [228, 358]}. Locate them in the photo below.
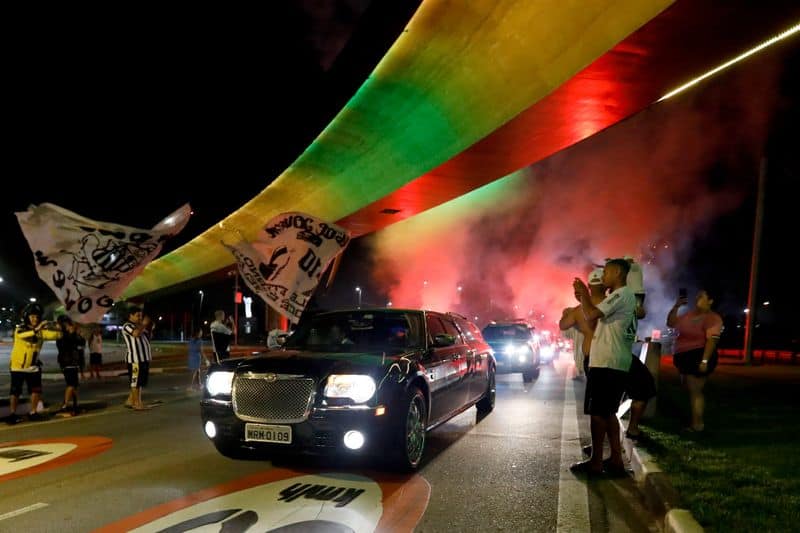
{"type": "Point", "coordinates": [25, 368]}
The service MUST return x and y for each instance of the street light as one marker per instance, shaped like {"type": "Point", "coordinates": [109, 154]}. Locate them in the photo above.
{"type": "Point", "coordinates": [32, 299]}
{"type": "Point", "coordinates": [200, 311]}
{"type": "Point", "coordinates": [358, 291]}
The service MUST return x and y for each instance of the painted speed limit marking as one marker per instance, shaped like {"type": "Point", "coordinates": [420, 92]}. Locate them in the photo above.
{"type": "Point", "coordinates": [286, 500]}
{"type": "Point", "coordinates": [24, 458]}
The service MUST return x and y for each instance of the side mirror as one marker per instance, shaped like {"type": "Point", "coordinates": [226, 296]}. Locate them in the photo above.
{"type": "Point", "coordinates": [442, 339]}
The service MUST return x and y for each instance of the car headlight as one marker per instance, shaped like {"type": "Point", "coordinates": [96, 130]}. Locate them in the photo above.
{"type": "Point", "coordinates": [546, 352]}
{"type": "Point", "coordinates": [356, 387]}
{"type": "Point", "coordinates": [219, 383]}
{"type": "Point", "coordinates": [515, 349]}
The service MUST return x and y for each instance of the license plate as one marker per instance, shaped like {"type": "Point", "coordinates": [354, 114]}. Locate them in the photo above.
{"type": "Point", "coordinates": [267, 433]}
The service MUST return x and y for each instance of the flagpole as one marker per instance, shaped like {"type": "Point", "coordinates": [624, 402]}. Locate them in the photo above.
{"type": "Point", "coordinates": [751, 295]}
{"type": "Point", "coordinates": [235, 309]}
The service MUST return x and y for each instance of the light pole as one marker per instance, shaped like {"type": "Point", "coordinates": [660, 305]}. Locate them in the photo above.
{"type": "Point", "coordinates": [200, 311]}
{"type": "Point", "coordinates": [236, 301]}
{"type": "Point", "coordinates": [358, 291]}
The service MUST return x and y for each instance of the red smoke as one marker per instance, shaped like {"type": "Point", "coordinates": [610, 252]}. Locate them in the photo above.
{"type": "Point", "coordinates": [646, 187]}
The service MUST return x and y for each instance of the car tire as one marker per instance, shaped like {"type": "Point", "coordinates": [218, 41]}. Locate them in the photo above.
{"type": "Point", "coordinates": [409, 433]}
{"type": "Point", "coordinates": [486, 404]}
{"type": "Point", "coordinates": [530, 375]}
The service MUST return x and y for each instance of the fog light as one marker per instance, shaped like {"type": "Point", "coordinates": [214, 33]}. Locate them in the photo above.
{"type": "Point", "coordinates": [354, 439]}
{"type": "Point", "coordinates": [211, 429]}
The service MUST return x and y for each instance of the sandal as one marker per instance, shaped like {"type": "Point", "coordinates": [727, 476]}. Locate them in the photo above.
{"type": "Point", "coordinates": [585, 467]}
{"type": "Point", "coordinates": [635, 436]}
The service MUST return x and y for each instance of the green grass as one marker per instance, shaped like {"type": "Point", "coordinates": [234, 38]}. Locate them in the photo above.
{"type": "Point", "coordinates": [741, 474]}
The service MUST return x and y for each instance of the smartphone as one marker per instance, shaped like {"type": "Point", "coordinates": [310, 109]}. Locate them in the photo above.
{"type": "Point", "coordinates": [682, 292]}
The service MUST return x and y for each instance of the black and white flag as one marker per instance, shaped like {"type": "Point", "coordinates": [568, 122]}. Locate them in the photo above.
{"type": "Point", "coordinates": [285, 262]}
{"type": "Point", "coordinates": [88, 264]}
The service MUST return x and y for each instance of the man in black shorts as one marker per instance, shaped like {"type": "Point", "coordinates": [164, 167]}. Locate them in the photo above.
{"type": "Point", "coordinates": [609, 362]}
{"type": "Point", "coordinates": [641, 385]}
{"type": "Point", "coordinates": [640, 388]}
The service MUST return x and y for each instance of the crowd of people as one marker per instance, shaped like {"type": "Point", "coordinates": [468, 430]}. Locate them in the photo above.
{"type": "Point", "coordinates": [602, 326]}
{"type": "Point", "coordinates": [603, 329]}
{"type": "Point", "coordinates": [26, 367]}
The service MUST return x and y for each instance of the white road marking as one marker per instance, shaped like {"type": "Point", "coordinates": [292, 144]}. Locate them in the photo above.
{"type": "Point", "coordinates": [573, 494]}
{"type": "Point", "coordinates": [23, 510]}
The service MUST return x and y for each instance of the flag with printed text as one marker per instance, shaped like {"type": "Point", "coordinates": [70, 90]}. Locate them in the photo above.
{"type": "Point", "coordinates": [88, 264]}
{"type": "Point", "coordinates": [285, 262]}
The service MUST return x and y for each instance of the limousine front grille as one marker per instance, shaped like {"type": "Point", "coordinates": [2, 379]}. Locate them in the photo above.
{"type": "Point", "coordinates": [272, 398]}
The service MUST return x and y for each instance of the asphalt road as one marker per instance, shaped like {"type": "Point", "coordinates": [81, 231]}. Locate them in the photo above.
{"type": "Point", "coordinates": [155, 469]}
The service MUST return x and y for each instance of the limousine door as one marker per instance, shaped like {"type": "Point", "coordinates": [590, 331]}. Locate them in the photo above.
{"type": "Point", "coordinates": [445, 367]}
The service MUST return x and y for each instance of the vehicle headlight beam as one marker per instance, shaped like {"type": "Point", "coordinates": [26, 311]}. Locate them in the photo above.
{"type": "Point", "coordinates": [358, 388]}
{"type": "Point", "coordinates": [219, 383]}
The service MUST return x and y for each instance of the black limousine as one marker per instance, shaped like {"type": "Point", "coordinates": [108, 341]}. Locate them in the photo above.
{"type": "Point", "coordinates": [361, 381]}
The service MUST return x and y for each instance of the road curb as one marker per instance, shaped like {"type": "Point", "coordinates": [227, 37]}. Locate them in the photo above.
{"type": "Point", "coordinates": [659, 494]}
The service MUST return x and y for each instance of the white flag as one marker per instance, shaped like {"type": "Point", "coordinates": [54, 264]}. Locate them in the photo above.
{"type": "Point", "coordinates": [89, 264]}
{"type": "Point", "coordinates": [284, 263]}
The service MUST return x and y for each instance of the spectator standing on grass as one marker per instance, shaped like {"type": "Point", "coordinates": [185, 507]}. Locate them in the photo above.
{"type": "Point", "coordinates": [641, 385]}
{"type": "Point", "coordinates": [695, 355]}
{"type": "Point", "coordinates": [95, 352]}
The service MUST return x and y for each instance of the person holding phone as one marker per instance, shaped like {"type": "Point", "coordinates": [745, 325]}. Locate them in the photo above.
{"type": "Point", "coordinates": [695, 355]}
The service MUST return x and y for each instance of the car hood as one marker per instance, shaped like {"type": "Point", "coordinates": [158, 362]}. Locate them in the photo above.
{"type": "Point", "coordinates": [319, 364]}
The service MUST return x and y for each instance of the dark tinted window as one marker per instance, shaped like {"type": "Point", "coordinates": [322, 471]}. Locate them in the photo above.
{"type": "Point", "coordinates": [435, 327]}
{"type": "Point", "coordinates": [359, 331]}
{"type": "Point", "coordinates": [451, 329]}
{"type": "Point", "coordinates": [469, 331]}
{"type": "Point", "coordinates": [500, 332]}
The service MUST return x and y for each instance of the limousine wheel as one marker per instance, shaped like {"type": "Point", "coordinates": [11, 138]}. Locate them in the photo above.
{"type": "Point", "coordinates": [486, 404]}
{"type": "Point", "coordinates": [410, 443]}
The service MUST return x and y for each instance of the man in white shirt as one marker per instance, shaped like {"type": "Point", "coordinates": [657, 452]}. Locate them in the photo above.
{"type": "Point", "coordinates": [221, 335]}
{"type": "Point", "coordinates": [609, 363]}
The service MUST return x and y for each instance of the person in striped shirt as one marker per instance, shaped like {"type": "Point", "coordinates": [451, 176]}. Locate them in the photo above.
{"type": "Point", "coordinates": [136, 333]}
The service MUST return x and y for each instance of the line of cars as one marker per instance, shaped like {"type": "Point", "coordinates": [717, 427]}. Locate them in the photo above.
{"type": "Point", "coordinates": [364, 382]}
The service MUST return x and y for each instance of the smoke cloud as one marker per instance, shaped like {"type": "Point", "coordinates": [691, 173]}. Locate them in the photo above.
{"type": "Point", "coordinates": [648, 187]}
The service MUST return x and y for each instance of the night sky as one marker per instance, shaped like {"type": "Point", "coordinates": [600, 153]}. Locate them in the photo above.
{"type": "Point", "coordinates": [122, 119]}
{"type": "Point", "coordinates": [127, 119]}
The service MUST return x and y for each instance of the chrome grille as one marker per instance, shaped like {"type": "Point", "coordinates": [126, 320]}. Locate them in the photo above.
{"type": "Point", "coordinates": [273, 398]}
